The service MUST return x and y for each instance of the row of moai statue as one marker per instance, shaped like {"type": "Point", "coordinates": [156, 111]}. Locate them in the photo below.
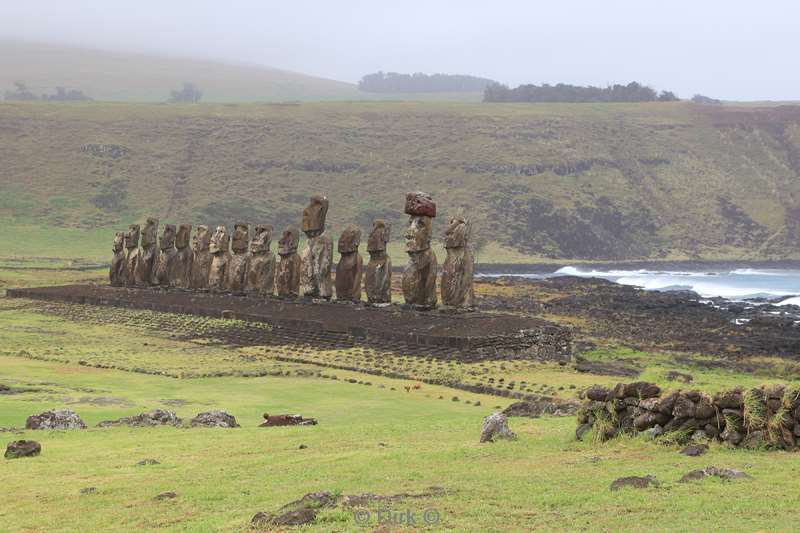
{"type": "Point", "coordinates": [247, 266]}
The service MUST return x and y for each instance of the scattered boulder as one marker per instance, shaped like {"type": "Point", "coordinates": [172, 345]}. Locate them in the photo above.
{"type": "Point", "coordinates": [287, 420]}
{"type": "Point", "coordinates": [23, 448]}
{"type": "Point", "coordinates": [694, 450]}
{"type": "Point", "coordinates": [674, 375]}
{"type": "Point", "coordinates": [156, 417]}
{"type": "Point", "coordinates": [296, 513]}
{"type": "Point", "coordinates": [637, 482]}
{"type": "Point", "coordinates": [147, 462]}
{"type": "Point", "coordinates": [496, 426]}
{"type": "Point", "coordinates": [543, 405]}
{"type": "Point", "coordinates": [55, 419]}
{"type": "Point", "coordinates": [88, 490]}
{"type": "Point", "coordinates": [166, 496]}
{"type": "Point", "coordinates": [214, 419]}
{"type": "Point", "coordinates": [709, 471]}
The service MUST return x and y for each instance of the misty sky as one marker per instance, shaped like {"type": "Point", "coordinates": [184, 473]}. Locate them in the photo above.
{"type": "Point", "coordinates": [727, 49]}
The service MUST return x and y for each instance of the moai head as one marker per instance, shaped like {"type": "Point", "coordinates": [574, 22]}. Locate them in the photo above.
{"type": "Point", "coordinates": [420, 204]}
{"type": "Point", "coordinates": [201, 240]}
{"type": "Point", "coordinates": [289, 241]}
{"type": "Point", "coordinates": [350, 239]}
{"type": "Point", "coordinates": [168, 237]}
{"type": "Point", "coordinates": [379, 236]}
{"type": "Point", "coordinates": [458, 231]}
{"type": "Point", "coordinates": [182, 238]}
{"type": "Point", "coordinates": [150, 233]}
{"type": "Point", "coordinates": [314, 216]}
{"type": "Point", "coordinates": [119, 242]}
{"type": "Point", "coordinates": [418, 234]}
{"type": "Point", "coordinates": [132, 236]}
{"type": "Point", "coordinates": [261, 241]}
{"type": "Point", "coordinates": [219, 241]}
{"type": "Point", "coordinates": [240, 239]}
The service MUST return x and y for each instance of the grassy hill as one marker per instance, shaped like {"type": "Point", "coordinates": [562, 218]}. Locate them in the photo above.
{"type": "Point", "coordinates": [573, 181]}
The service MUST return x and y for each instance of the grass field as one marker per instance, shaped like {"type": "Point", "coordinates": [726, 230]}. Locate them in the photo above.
{"type": "Point", "coordinates": [540, 182]}
{"type": "Point", "coordinates": [376, 438]}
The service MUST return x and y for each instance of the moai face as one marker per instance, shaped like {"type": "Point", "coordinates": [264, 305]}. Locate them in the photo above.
{"type": "Point", "coordinates": [420, 204]}
{"type": "Point", "coordinates": [418, 234]}
{"type": "Point", "coordinates": [219, 241]}
{"type": "Point", "coordinates": [350, 240]}
{"type": "Point", "coordinates": [201, 240]}
{"type": "Point", "coordinates": [241, 237]}
{"type": "Point", "coordinates": [182, 238]}
{"type": "Point", "coordinates": [150, 233]}
{"type": "Point", "coordinates": [119, 241]}
{"type": "Point", "coordinates": [457, 232]}
{"type": "Point", "coordinates": [378, 237]}
{"type": "Point", "coordinates": [132, 236]}
{"type": "Point", "coordinates": [314, 216]}
{"type": "Point", "coordinates": [288, 243]}
{"type": "Point", "coordinates": [262, 240]}
{"type": "Point", "coordinates": [168, 237]}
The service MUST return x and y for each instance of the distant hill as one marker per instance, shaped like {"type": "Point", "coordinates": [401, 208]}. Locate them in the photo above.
{"type": "Point", "coordinates": [116, 76]}
{"type": "Point", "coordinates": [661, 180]}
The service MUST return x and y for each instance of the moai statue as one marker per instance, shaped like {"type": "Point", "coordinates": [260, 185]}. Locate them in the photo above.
{"type": "Point", "coordinates": [237, 263]}
{"type": "Point", "coordinates": [419, 277]}
{"type": "Point", "coordinates": [459, 266]}
{"type": "Point", "coordinates": [220, 255]}
{"type": "Point", "coordinates": [182, 267]}
{"type": "Point", "coordinates": [317, 256]}
{"type": "Point", "coordinates": [260, 276]}
{"type": "Point", "coordinates": [148, 261]}
{"type": "Point", "coordinates": [166, 259]}
{"type": "Point", "coordinates": [348, 270]}
{"type": "Point", "coordinates": [116, 275]}
{"type": "Point", "coordinates": [287, 276]}
{"type": "Point", "coordinates": [201, 259]}
{"type": "Point", "coordinates": [378, 279]}
{"type": "Point", "coordinates": [132, 255]}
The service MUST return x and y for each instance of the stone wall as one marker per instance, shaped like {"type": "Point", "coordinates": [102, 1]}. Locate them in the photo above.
{"type": "Point", "coordinates": [765, 417]}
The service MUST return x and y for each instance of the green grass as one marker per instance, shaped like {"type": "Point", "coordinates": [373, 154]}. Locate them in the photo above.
{"type": "Point", "coordinates": [616, 180]}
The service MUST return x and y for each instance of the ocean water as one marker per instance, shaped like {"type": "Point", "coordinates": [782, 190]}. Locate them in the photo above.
{"type": "Point", "coordinates": [777, 285]}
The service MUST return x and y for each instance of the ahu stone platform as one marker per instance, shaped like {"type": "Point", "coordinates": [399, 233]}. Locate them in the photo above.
{"type": "Point", "coordinates": [467, 335]}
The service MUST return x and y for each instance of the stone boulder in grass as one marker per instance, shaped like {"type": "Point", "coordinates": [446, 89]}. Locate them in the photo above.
{"type": "Point", "coordinates": [214, 419]}
{"type": "Point", "coordinates": [55, 419]}
{"type": "Point", "coordinates": [23, 448]}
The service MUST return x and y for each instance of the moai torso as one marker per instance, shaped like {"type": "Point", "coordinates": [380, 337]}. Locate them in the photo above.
{"type": "Point", "coordinates": [116, 275]}
{"type": "Point", "coordinates": [419, 277]}
{"type": "Point", "coordinates": [166, 259]}
{"type": "Point", "coordinates": [348, 270]}
{"type": "Point", "coordinates": [219, 259]}
{"type": "Point", "coordinates": [201, 259]}
{"type": "Point", "coordinates": [237, 263]}
{"type": "Point", "coordinates": [260, 276]}
{"type": "Point", "coordinates": [132, 254]}
{"type": "Point", "coordinates": [378, 278]}
{"type": "Point", "coordinates": [182, 266]}
{"type": "Point", "coordinates": [317, 256]}
{"type": "Point", "coordinates": [148, 260]}
{"type": "Point", "coordinates": [287, 274]}
{"type": "Point", "coordinates": [459, 266]}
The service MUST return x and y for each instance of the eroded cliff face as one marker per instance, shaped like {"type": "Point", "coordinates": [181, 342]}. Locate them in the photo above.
{"type": "Point", "coordinates": [573, 181]}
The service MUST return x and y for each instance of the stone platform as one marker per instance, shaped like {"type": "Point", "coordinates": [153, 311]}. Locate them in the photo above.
{"type": "Point", "coordinates": [464, 334]}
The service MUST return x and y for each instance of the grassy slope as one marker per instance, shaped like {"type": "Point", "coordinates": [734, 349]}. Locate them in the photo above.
{"type": "Point", "coordinates": [621, 181]}
{"type": "Point", "coordinates": [545, 480]}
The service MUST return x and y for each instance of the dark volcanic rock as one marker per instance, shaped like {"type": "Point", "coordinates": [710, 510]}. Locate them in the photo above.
{"type": "Point", "coordinates": [157, 417]}
{"type": "Point", "coordinates": [166, 496]}
{"type": "Point", "coordinates": [296, 513]}
{"type": "Point", "coordinates": [636, 482]}
{"type": "Point", "coordinates": [693, 450]}
{"type": "Point", "coordinates": [23, 448]}
{"type": "Point", "coordinates": [147, 462]}
{"type": "Point", "coordinates": [212, 419]}
{"type": "Point", "coordinates": [724, 473]}
{"type": "Point", "coordinates": [55, 419]}
{"type": "Point", "coordinates": [674, 375]}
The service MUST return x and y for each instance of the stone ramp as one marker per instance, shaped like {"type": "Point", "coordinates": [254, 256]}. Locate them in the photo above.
{"type": "Point", "coordinates": [470, 334]}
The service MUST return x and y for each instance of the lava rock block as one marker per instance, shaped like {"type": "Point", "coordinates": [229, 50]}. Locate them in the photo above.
{"type": "Point", "coordinates": [55, 419]}
{"type": "Point", "coordinates": [23, 448]}
{"type": "Point", "coordinates": [496, 426]}
{"type": "Point", "coordinates": [214, 419]}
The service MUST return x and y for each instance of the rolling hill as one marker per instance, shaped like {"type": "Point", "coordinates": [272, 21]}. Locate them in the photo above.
{"type": "Point", "coordinates": [571, 181]}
